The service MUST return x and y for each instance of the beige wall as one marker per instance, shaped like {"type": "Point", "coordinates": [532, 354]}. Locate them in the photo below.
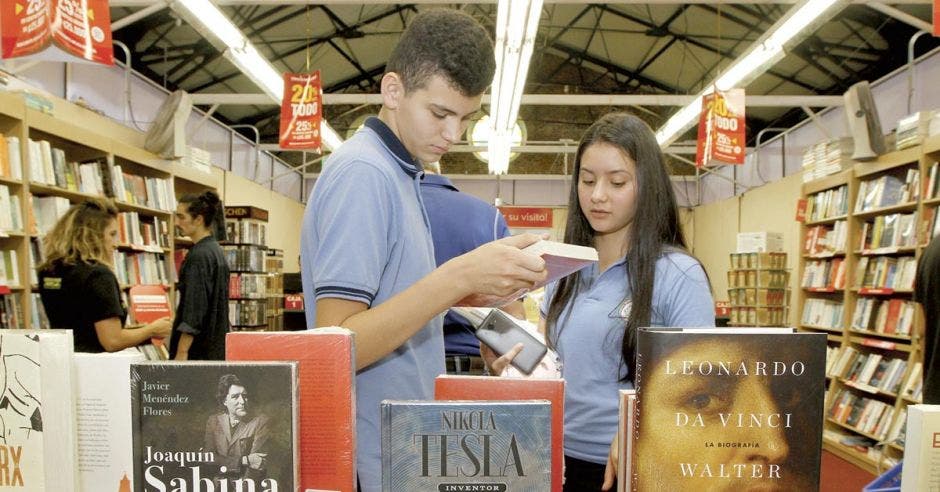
{"type": "Point", "coordinates": [771, 207]}
{"type": "Point", "coordinates": [284, 215]}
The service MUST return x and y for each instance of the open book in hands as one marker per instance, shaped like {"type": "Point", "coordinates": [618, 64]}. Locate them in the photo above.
{"type": "Point", "coordinates": [561, 259]}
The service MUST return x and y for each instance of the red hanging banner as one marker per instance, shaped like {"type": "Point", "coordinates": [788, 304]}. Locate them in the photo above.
{"type": "Point", "coordinates": [56, 30]}
{"type": "Point", "coordinates": [721, 138]}
{"type": "Point", "coordinates": [936, 18]}
{"type": "Point", "coordinates": [301, 111]}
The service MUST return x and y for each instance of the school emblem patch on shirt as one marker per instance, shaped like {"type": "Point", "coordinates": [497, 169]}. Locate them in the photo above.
{"type": "Point", "coordinates": [623, 309]}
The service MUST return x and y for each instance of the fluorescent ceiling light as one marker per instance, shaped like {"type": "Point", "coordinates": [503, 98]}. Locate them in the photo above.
{"type": "Point", "coordinates": [763, 54]}
{"type": "Point", "coordinates": [207, 18]}
{"type": "Point", "coordinates": [516, 25]}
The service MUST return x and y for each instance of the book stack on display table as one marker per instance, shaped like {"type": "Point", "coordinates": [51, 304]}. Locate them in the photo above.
{"type": "Point", "coordinates": [246, 252]}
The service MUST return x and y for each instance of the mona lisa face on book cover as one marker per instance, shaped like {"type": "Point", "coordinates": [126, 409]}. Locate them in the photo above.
{"type": "Point", "coordinates": [723, 412]}
{"type": "Point", "coordinates": [214, 427]}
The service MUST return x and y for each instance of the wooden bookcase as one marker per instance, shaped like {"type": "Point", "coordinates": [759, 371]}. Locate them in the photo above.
{"type": "Point", "coordinates": [83, 137]}
{"type": "Point", "coordinates": [864, 408]}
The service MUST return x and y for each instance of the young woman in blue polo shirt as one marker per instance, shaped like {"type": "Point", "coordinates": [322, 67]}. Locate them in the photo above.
{"type": "Point", "coordinates": [621, 203]}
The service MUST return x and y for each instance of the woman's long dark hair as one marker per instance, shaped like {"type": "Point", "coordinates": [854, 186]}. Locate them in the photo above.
{"type": "Point", "coordinates": [655, 224]}
{"type": "Point", "coordinates": [209, 206]}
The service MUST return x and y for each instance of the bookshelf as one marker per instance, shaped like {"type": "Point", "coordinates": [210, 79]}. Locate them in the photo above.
{"type": "Point", "coordinates": [68, 156]}
{"type": "Point", "coordinates": [865, 228]}
{"type": "Point", "coordinates": [246, 254]}
{"type": "Point", "coordinates": [757, 289]}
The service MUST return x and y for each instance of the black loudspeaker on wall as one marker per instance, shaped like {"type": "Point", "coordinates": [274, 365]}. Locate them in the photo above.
{"type": "Point", "coordinates": [864, 124]}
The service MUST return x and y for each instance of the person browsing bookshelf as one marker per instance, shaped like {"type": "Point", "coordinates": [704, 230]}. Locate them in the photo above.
{"type": "Point", "coordinates": [622, 203]}
{"type": "Point", "coordinates": [460, 223]}
{"type": "Point", "coordinates": [927, 294]}
{"type": "Point", "coordinates": [366, 249]}
{"type": "Point", "coordinates": [202, 315]}
{"type": "Point", "coordinates": [77, 284]}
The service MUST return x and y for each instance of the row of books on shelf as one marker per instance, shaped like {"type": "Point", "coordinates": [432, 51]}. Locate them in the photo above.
{"type": "Point", "coordinates": [930, 224]}
{"type": "Point", "coordinates": [823, 240]}
{"type": "Point", "coordinates": [861, 444]}
{"type": "Point", "coordinates": [149, 232]}
{"type": "Point", "coordinates": [828, 204]}
{"type": "Point", "coordinates": [822, 313]}
{"type": "Point", "coordinates": [885, 272]}
{"type": "Point", "coordinates": [758, 297]}
{"type": "Point", "coordinates": [135, 268]}
{"type": "Point", "coordinates": [932, 186]}
{"type": "Point", "coordinates": [824, 274]}
{"type": "Point", "coordinates": [10, 269]}
{"type": "Point", "coordinates": [889, 231]}
{"type": "Point", "coordinates": [49, 166]}
{"type": "Point", "coordinates": [888, 190]}
{"type": "Point", "coordinates": [869, 371]}
{"type": "Point", "coordinates": [758, 316]}
{"type": "Point", "coordinates": [12, 316]}
{"type": "Point", "coordinates": [773, 279]}
{"type": "Point", "coordinates": [890, 317]}
{"type": "Point", "coordinates": [246, 231]}
{"type": "Point", "coordinates": [10, 153]}
{"type": "Point", "coordinates": [245, 257]}
{"type": "Point", "coordinates": [248, 285]}
{"type": "Point", "coordinates": [866, 415]}
{"type": "Point", "coordinates": [12, 220]}
{"type": "Point", "coordinates": [247, 312]}
{"type": "Point", "coordinates": [758, 261]}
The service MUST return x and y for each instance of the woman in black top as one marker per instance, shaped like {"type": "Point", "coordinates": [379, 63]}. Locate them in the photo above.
{"type": "Point", "coordinates": [77, 284]}
{"type": "Point", "coordinates": [202, 316]}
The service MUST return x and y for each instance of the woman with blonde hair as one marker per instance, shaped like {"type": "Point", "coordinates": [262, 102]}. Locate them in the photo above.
{"type": "Point", "coordinates": [77, 283]}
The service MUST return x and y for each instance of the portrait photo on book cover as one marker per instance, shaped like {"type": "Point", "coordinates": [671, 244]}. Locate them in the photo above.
{"type": "Point", "coordinates": [730, 412]}
{"type": "Point", "coordinates": [228, 424]}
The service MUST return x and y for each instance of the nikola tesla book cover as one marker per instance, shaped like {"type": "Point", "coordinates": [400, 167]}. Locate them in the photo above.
{"type": "Point", "coordinates": [214, 426]}
{"type": "Point", "coordinates": [729, 409]}
{"type": "Point", "coordinates": [461, 446]}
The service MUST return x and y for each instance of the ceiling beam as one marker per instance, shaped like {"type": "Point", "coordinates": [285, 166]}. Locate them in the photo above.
{"type": "Point", "coordinates": [754, 101]}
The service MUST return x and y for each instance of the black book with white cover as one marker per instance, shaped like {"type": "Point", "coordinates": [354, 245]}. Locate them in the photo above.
{"type": "Point", "coordinates": [214, 426]}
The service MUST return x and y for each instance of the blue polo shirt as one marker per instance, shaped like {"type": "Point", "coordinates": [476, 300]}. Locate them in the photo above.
{"type": "Point", "coordinates": [591, 335]}
{"type": "Point", "coordinates": [365, 237]}
{"type": "Point", "coordinates": [459, 223]}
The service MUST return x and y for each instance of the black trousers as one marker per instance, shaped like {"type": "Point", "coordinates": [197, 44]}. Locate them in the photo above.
{"type": "Point", "coordinates": [584, 476]}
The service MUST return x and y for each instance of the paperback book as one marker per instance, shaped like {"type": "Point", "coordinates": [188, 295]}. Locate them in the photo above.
{"type": "Point", "coordinates": [103, 411]}
{"type": "Point", "coordinates": [217, 426]}
{"type": "Point", "coordinates": [37, 411]}
{"type": "Point", "coordinates": [327, 391]}
{"type": "Point", "coordinates": [729, 409]}
{"type": "Point", "coordinates": [463, 446]}
{"type": "Point", "coordinates": [453, 387]}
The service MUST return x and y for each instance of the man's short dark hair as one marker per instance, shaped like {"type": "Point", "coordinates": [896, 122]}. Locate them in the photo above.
{"type": "Point", "coordinates": [444, 42]}
{"type": "Point", "coordinates": [225, 383]}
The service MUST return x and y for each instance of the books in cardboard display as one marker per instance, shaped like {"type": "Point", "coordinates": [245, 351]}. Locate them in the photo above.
{"type": "Point", "coordinates": [461, 446]}
{"type": "Point", "coordinates": [327, 392]}
{"type": "Point", "coordinates": [37, 414]}
{"type": "Point", "coordinates": [103, 413]}
{"type": "Point", "coordinates": [214, 426]}
{"type": "Point", "coordinates": [453, 387]}
{"type": "Point", "coordinates": [729, 409]}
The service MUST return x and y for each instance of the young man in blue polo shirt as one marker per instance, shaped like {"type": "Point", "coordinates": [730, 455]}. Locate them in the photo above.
{"type": "Point", "coordinates": [367, 256]}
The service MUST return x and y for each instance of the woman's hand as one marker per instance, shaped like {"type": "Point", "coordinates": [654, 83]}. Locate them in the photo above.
{"type": "Point", "coordinates": [161, 328]}
{"type": "Point", "coordinates": [495, 365]}
{"type": "Point", "coordinates": [610, 471]}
